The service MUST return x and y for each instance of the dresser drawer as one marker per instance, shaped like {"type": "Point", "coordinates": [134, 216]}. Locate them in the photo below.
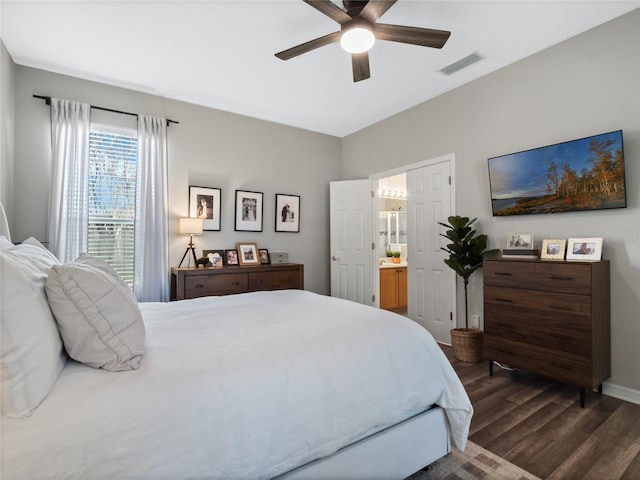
{"type": "Point", "coordinates": [205, 285]}
{"type": "Point", "coordinates": [281, 280]}
{"type": "Point", "coordinates": [570, 333]}
{"type": "Point", "coordinates": [191, 282]}
{"type": "Point", "coordinates": [565, 278]}
{"type": "Point", "coordinates": [561, 366]}
{"type": "Point", "coordinates": [558, 303]}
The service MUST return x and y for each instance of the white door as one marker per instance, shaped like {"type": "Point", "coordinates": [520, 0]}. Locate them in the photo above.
{"type": "Point", "coordinates": [431, 289]}
{"type": "Point", "coordinates": [352, 247]}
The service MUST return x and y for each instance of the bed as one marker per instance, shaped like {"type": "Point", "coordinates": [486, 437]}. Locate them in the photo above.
{"type": "Point", "coordinates": [284, 384]}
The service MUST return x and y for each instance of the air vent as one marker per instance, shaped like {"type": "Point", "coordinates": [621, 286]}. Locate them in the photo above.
{"type": "Point", "coordinates": [462, 63]}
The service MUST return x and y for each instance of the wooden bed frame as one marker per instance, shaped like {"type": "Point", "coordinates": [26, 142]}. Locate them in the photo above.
{"type": "Point", "coordinates": [393, 453]}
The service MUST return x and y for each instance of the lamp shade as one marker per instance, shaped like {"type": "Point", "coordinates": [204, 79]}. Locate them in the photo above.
{"type": "Point", "coordinates": [191, 226]}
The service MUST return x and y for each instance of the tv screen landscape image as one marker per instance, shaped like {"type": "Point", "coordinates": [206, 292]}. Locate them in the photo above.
{"type": "Point", "coordinates": [583, 174]}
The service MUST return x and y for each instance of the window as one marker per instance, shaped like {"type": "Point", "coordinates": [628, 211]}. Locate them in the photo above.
{"type": "Point", "coordinates": [112, 198]}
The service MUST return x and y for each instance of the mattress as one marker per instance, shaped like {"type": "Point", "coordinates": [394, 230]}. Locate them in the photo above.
{"type": "Point", "coordinates": [237, 387]}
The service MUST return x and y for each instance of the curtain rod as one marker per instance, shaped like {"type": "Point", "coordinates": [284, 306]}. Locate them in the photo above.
{"type": "Point", "coordinates": [48, 102]}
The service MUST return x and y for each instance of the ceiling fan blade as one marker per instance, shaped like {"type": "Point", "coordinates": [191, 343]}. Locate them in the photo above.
{"type": "Point", "coordinates": [360, 63]}
{"type": "Point", "coordinates": [330, 9]}
{"type": "Point", "coordinates": [308, 46]}
{"type": "Point", "coordinates": [425, 37]}
{"type": "Point", "coordinates": [374, 9]}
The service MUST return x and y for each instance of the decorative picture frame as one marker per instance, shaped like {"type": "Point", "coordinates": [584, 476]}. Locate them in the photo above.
{"type": "Point", "coordinates": [287, 213]}
{"type": "Point", "coordinates": [249, 206]}
{"type": "Point", "coordinates": [248, 253]}
{"type": "Point", "coordinates": [231, 257]}
{"type": "Point", "coordinates": [553, 248]}
{"type": "Point", "coordinates": [263, 253]}
{"type": "Point", "coordinates": [589, 249]}
{"type": "Point", "coordinates": [217, 257]}
{"type": "Point", "coordinates": [204, 202]}
{"type": "Point", "coordinates": [520, 240]}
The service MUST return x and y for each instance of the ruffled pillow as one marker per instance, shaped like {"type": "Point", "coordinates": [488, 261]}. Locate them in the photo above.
{"type": "Point", "coordinates": [97, 314]}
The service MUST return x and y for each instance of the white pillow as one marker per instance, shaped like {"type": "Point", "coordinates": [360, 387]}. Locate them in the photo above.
{"type": "Point", "coordinates": [31, 351]}
{"type": "Point", "coordinates": [97, 314]}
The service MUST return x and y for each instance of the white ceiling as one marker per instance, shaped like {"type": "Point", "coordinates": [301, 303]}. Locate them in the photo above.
{"type": "Point", "coordinates": [220, 54]}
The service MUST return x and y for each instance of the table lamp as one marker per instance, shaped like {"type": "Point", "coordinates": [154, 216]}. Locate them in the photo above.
{"type": "Point", "coordinates": [191, 227]}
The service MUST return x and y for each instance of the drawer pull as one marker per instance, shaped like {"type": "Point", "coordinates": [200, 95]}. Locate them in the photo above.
{"type": "Point", "coordinates": [504, 274]}
{"type": "Point", "coordinates": [199, 286]}
{"type": "Point", "coordinates": [560, 307]}
{"type": "Point", "coordinates": [557, 277]}
{"type": "Point", "coordinates": [562, 337]}
{"type": "Point", "coordinates": [561, 365]}
{"type": "Point", "coordinates": [505, 300]}
{"type": "Point", "coordinates": [259, 282]}
{"type": "Point", "coordinates": [235, 284]}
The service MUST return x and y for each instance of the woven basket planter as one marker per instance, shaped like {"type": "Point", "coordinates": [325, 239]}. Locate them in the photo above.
{"type": "Point", "coordinates": [467, 344]}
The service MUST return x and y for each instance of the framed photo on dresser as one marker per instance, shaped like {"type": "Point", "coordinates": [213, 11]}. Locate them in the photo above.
{"type": "Point", "coordinates": [264, 256]}
{"type": "Point", "coordinates": [553, 248]}
{"type": "Point", "coordinates": [584, 249]}
{"type": "Point", "coordinates": [216, 257]}
{"type": "Point", "coordinates": [248, 253]}
{"type": "Point", "coordinates": [520, 240]}
{"type": "Point", "coordinates": [231, 257]}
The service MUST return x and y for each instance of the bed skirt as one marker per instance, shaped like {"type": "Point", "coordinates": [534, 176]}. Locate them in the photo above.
{"type": "Point", "coordinates": [393, 453]}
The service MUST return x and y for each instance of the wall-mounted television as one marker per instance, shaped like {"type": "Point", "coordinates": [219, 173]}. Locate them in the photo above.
{"type": "Point", "coordinates": [583, 174]}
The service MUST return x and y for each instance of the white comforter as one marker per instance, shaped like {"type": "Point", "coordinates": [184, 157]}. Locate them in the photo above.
{"type": "Point", "coordinates": [237, 387]}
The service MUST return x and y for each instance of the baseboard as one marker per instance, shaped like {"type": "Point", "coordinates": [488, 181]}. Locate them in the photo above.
{"type": "Point", "coordinates": [623, 393]}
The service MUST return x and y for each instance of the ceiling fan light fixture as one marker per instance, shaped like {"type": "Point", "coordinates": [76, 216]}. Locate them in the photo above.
{"type": "Point", "coordinates": [357, 40]}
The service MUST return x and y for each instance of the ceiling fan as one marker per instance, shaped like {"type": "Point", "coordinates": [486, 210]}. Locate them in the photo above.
{"type": "Point", "coordinates": [359, 30]}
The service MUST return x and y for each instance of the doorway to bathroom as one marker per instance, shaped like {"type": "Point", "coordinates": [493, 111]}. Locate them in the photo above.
{"type": "Point", "coordinates": [410, 203]}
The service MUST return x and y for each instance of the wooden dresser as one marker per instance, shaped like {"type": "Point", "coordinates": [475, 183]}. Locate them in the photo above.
{"type": "Point", "coordinates": [550, 318]}
{"type": "Point", "coordinates": [193, 282]}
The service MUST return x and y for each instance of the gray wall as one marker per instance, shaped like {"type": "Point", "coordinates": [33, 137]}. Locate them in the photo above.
{"type": "Point", "coordinates": [587, 85]}
{"type": "Point", "coordinates": [7, 109]}
{"type": "Point", "coordinates": [208, 148]}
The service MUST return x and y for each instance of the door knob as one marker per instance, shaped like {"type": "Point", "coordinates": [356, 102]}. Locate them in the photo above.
{"type": "Point", "coordinates": [335, 259]}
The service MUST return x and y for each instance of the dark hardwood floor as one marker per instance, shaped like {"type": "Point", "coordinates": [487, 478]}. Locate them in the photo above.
{"type": "Point", "coordinates": [538, 425]}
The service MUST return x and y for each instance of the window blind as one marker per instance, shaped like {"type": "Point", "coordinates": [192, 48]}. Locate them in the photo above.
{"type": "Point", "coordinates": [112, 195]}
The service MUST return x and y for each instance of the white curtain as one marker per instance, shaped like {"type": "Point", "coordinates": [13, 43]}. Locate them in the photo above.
{"type": "Point", "coordinates": [69, 199]}
{"type": "Point", "coordinates": [151, 270]}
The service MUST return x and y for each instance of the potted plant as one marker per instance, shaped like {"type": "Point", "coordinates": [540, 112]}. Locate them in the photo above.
{"type": "Point", "coordinates": [396, 257]}
{"type": "Point", "coordinates": [466, 252]}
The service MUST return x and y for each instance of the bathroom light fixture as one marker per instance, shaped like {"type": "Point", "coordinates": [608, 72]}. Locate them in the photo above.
{"type": "Point", "coordinates": [383, 193]}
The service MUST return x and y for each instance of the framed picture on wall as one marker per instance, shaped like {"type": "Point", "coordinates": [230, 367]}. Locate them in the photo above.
{"type": "Point", "coordinates": [248, 211]}
{"type": "Point", "coordinates": [287, 213]}
{"type": "Point", "coordinates": [204, 202]}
